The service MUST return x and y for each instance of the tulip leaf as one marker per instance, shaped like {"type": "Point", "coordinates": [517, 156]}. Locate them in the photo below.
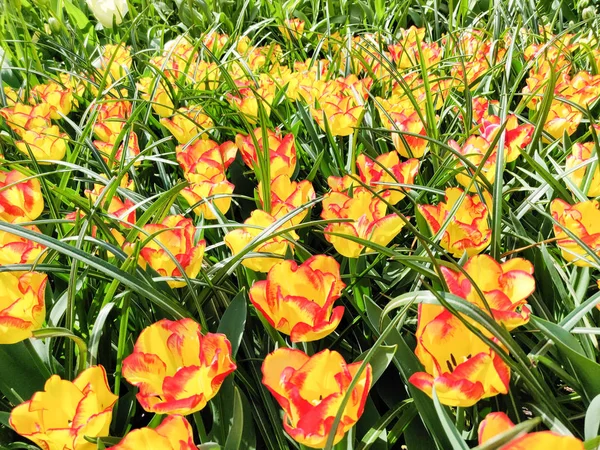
{"type": "Point", "coordinates": [592, 419]}
{"type": "Point", "coordinates": [18, 359]}
{"type": "Point", "coordinates": [233, 321]}
{"type": "Point", "coordinates": [380, 361]}
{"type": "Point", "coordinates": [76, 15]}
{"type": "Point", "coordinates": [592, 444]}
{"type": "Point", "coordinates": [234, 438]}
{"type": "Point", "coordinates": [452, 433]}
{"type": "Point", "coordinates": [583, 369]}
{"type": "Point", "coordinates": [209, 446]}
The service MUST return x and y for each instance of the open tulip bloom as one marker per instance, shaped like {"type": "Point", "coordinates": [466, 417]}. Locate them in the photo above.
{"type": "Point", "coordinates": [174, 433]}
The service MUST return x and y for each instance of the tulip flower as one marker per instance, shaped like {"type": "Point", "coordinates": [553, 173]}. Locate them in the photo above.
{"type": "Point", "coordinates": [339, 114]}
{"type": "Point", "coordinates": [21, 118]}
{"type": "Point", "coordinates": [248, 98]}
{"type": "Point", "coordinates": [111, 120]}
{"type": "Point", "coordinates": [281, 148]}
{"type": "Point", "coordinates": [505, 287]}
{"type": "Point", "coordinates": [132, 151]}
{"type": "Point", "coordinates": [387, 168]}
{"type": "Point", "coordinates": [122, 211]}
{"type": "Point", "coordinates": [498, 422]}
{"type": "Point", "coordinates": [156, 92]}
{"type": "Point", "coordinates": [369, 221]}
{"type": "Point", "coordinates": [516, 137]}
{"type": "Point", "coordinates": [474, 150]}
{"type": "Point", "coordinates": [173, 245]}
{"type": "Point", "coordinates": [310, 389]}
{"type": "Point", "coordinates": [59, 98]}
{"type": "Point", "coordinates": [18, 250]}
{"type": "Point", "coordinates": [581, 153]}
{"type": "Point", "coordinates": [238, 239]}
{"type": "Point", "coordinates": [177, 369]}
{"type": "Point", "coordinates": [62, 415]}
{"type": "Point", "coordinates": [399, 117]}
{"type": "Point", "coordinates": [287, 195]}
{"type": "Point", "coordinates": [202, 192]}
{"type": "Point", "coordinates": [583, 220]}
{"type": "Point", "coordinates": [22, 305]}
{"type": "Point", "coordinates": [481, 109]}
{"type": "Point", "coordinates": [174, 433]}
{"type": "Point", "coordinates": [292, 29]}
{"type": "Point", "coordinates": [48, 143]}
{"type": "Point", "coordinates": [205, 160]}
{"type": "Point", "coordinates": [108, 11]}
{"type": "Point", "coordinates": [459, 365]}
{"type": "Point", "coordinates": [297, 300]}
{"type": "Point", "coordinates": [20, 198]}
{"type": "Point", "coordinates": [467, 230]}
{"type": "Point", "coordinates": [562, 118]}
{"type": "Point", "coordinates": [187, 124]}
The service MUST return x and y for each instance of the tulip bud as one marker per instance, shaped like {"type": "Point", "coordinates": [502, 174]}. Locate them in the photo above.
{"type": "Point", "coordinates": [107, 11]}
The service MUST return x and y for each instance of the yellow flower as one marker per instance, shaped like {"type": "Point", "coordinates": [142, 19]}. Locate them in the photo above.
{"type": "Point", "coordinates": [22, 305]}
{"type": "Point", "coordinates": [21, 200]}
{"type": "Point", "coordinates": [248, 98]}
{"type": "Point", "coordinates": [155, 91]}
{"type": "Point", "coordinates": [62, 415]}
{"type": "Point", "coordinates": [562, 118]}
{"type": "Point", "coordinates": [387, 168]}
{"type": "Point", "coordinates": [176, 368]}
{"type": "Point", "coordinates": [467, 230]}
{"type": "Point", "coordinates": [287, 195]}
{"type": "Point", "coordinates": [297, 300]}
{"type": "Point", "coordinates": [21, 118]}
{"type": "Point", "coordinates": [187, 124]}
{"type": "Point", "coordinates": [203, 191]}
{"type": "Point", "coordinates": [44, 144]}
{"type": "Point", "coordinates": [581, 219]}
{"type": "Point", "coordinates": [116, 60]}
{"type": "Point", "coordinates": [281, 148]}
{"type": "Point", "coordinates": [59, 98]}
{"type": "Point", "coordinates": [240, 238]}
{"type": "Point", "coordinates": [174, 433]}
{"type": "Point", "coordinates": [474, 151]}
{"type": "Point", "coordinates": [292, 29]}
{"type": "Point", "coordinates": [18, 250]}
{"type": "Point", "coordinates": [205, 160]}
{"type": "Point", "coordinates": [311, 389]}
{"type": "Point", "coordinates": [581, 153]}
{"type": "Point", "coordinates": [342, 114]}
{"type": "Point", "coordinates": [111, 119]}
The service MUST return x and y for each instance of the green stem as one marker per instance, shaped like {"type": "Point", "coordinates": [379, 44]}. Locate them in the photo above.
{"type": "Point", "coordinates": [45, 333]}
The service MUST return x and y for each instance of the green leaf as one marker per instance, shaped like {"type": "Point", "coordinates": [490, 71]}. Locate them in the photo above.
{"type": "Point", "coordinates": [17, 360]}
{"type": "Point", "coordinates": [234, 439]}
{"type": "Point", "coordinates": [233, 321]}
{"type": "Point", "coordinates": [454, 436]}
{"type": "Point", "coordinates": [76, 15]}
{"type": "Point", "coordinates": [380, 361]}
{"type": "Point", "coordinates": [592, 419]}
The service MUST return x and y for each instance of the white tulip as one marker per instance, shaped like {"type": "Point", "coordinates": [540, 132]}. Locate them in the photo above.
{"type": "Point", "coordinates": [107, 10]}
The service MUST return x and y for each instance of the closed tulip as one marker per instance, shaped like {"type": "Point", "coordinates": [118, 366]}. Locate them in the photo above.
{"type": "Point", "coordinates": [173, 245]}
{"type": "Point", "coordinates": [20, 199]}
{"type": "Point", "coordinates": [583, 220]}
{"type": "Point", "coordinates": [297, 300]}
{"type": "Point", "coordinates": [505, 287]}
{"type": "Point", "coordinates": [287, 196]}
{"type": "Point", "coordinates": [467, 230]}
{"type": "Point", "coordinates": [459, 365]}
{"type": "Point", "coordinates": [498, 422]}
{"type": "Point", "coordinates": [187, 124]}
{"type": "Point", "coordinates": [62, 415]}
{"type": "Point", "coordinates": [177, 369]}
{"type": "Point", "coordinates": [238, 239]}
{"type": "Point", "coordinates": [58, 97]}
{"type": "Point", "coordinates": [111, 119]}
{"type": "Point", "coordinates": [369, 221]}
{"type": "Point", "coordinates": [48, 143]}
{"type": "Point", "coordinates": [205, 160]}
{"type": "Point", "coordinates": [174, 433]}
{"type": "Point", "coordinates": [339, 114]}
{"type": "Point", "coordinates": [407, 145]}
{"type": "Point", "coordinates": [387, 168]}
{"type": "Point", "coordinates": [18, 250]}
{"type": "Point", "coordinates": [22, 305]}
{"type": "Point", "coordinates": [210, 197]}
{"type": "Point", "coordinates": [580, 153]}
{"type": "Point", "coordinates": [157, 93]}
{"type": "Point", "coordinates": [310, 389]}
{"type": "Point", "coordinates": [108, 11]}
{"type": "Point", "coordinates": [281, 148]}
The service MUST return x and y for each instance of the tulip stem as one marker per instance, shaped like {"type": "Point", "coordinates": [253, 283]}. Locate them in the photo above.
{"type": "Point", "coordinates": [200, 426]}
{"type": "Point", "coordinates": [51, 332]}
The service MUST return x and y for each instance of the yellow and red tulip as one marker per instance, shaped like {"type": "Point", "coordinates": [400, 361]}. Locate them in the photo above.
{"type": "Point", "coordinates": [287, 195]}
{"type": "Point", "coordinates": [174, 433]}
{"type": "Point", "coordinates": [292, 28]}
{"type": "Point", "coordinates": [580, 153]}
{"type": "Point", "coordinates": [505, 287]}
{"type": "Point", "coordinates": [459, 365]}
{"type": "Point", "coordinates": [467, 230]}
{"type": "Point", "coordinates": [203, 191]}
{"type": "Point", "coordinates": [205, 160]}
{"type": "Point", "coordinates": [474, 150]}
{"type": "Point", "coordinates": [310, 390]}
{"type": "Point", "coordinates": [122, 211]}
{"type": "Point", "coordinates": [562, 118]}
{"type": "Point", "coordinates": [22, 305]}
{"type": "Point", "coordinates": [173, 244]}
{"type": "Point", "coordinates": [281, 148]}
{"type": "Point", "coordinates": [59, 98]}
{"type": "Point", "coordinates": [516, 137]}
{"type": "Point", "coordinates": [111, 120]}
{"type": "Point", "coordinates": [404, 120]}
{"type": "Point", "coordinates": [498, 422]}
{"type": "Point", "coordinates": [18, 250]}
{"type": "Point", "coordinates": [238, 239]}
{"type": "Point", "coordinates": [47, 143]}
{"type": "Point", "coordinates": [387, 168]}
{"type": "Point", "coordinates": [62, 415]}
{"type": "Point", "coordinates": [20, 198]}
{"type": "Point", "coordinates": [176, 368]}
{"type": "Point", "coordinates": [156, 92]}
{"type": "Point", "coordinates": [338, 113]}
{"type": "Point", "coordinates": [581, 219]}
{"type": "Point", "coordinates": [297, 300]}
{"type": "Point", "coordinates": [21, 117]}
{"type": "Point", "coordinates": [115, 61]}
{"type": "Point", "coordinates": [249, 97]}
{"type": "Point", "coordinates": [187, 124]}
{"type": "Point", "coordinates": [132, 151]}
{"type": "Point", "coordinates": [369, 221]}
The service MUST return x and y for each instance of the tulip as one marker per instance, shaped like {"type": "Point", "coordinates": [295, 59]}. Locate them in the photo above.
{"type": "Point", "coordinates": [62, 415]}
{"type": "Point", "coordinates": [498, 422]}
{"type": "Point", "coordinates": [108, 12]}
{"type": "Point", "coordinates": [18, 250]}
{"type": "Point", "coordinates": [173, 245]}
{"type": "Point", "coordinates": [583, 220]}
{"type": "Point", "coordinates": [581, 153]}
{"type": "Point", "coordinates": [505, 287]}
{"type": "Point", "coordinates": [297, 300]}
{"type": "Point", "coordinates": [44, 144]}
{"type": "Point", "coordinates": [400, 118]}
{"type": "Point", "coordinates": [287, 196]}
{"type": "Point", "coordinates": [248, 98]}
{"type": "Point", "coordinates": [156, 92]}
{"type": "Point", "coordinates": [205, 160]}
{"type": "Point", "coordinates": [562, 118]}
{"type": "Point", "coordinates": [131, 152]}
{"type": "Point", "coordinates": [481, 109]}
{"type": "Point", "coordinates": [22, 305]}
{"type": "Point", "coordinates": [339, 114]}
{"type": "Point", "coordinates": [174, 433]}
{"type": "Point", "coordinates": [516, 137]}
{"type": "Point", "coordinates": [459, 365]}
{"type": "Point", "coordinates": [116, 60]}
{"type": "Point", "coordinates": [111, 120]}
{"type": "Point", "coordinates": [282, 151]}
{"type": "Point", "coordinates": [238, 239]}
{"type": "Point", "coordinates": [292, 29]}
{"type": "Point", "coordinates": [387, 168]}
{"type": "Point", "coordinates": [188, 124]}
{"type": "Point", "coordinates": [310, 389]}
{"type": "Point", "coordinates": [20, 198]}
{"type": "Point", "coordinates": [177, 369]}
{"type": "Point", "coordinates": [467, 230]}
{"type": "Point", "coordinates": [474, 151]}
{"type": "Point", "coordinates": [21, 118]}
{"type": "Point", "coordinates": [216, 42]}
{"type": "Point", "coordinates": [59, 98]}
{"type": "Point", "coordinates": [122, 211]}
{"type": "Point", "coordinates": [203, 191]}
{"type": "Point", "coordinates": [369, 221]}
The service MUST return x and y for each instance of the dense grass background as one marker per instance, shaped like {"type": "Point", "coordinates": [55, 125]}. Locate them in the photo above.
{"type": "Point", "coordinates": [106, 301]}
